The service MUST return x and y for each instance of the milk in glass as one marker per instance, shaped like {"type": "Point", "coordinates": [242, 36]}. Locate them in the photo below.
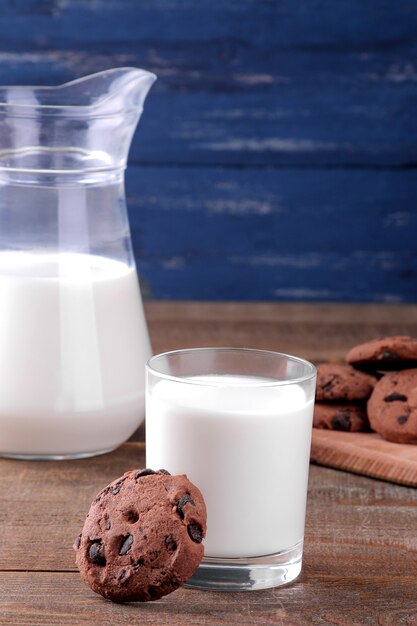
{"type": "Point", "coordinates": [245, 443]}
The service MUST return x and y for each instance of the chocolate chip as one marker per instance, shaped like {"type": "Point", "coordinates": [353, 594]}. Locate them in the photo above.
{"type": "Point", "coordinates": [394, 396]}
{"type": "Point", "coordinates": [196, 532]}
{"type": "Point", "coordinates": [123, 578]}
{"type": "Point", "coordinates": [170, 543]}
{"type": "Point", "coordinates": [126, 545]}
{"type": "Point", "coordinates": [140, 562]}
{"type": "Point", "coordinates": [101, 494]}
{"type": "Point", "coordinates": [164, 471]}
{"type": "Point", "coordinates": [329, 384]}
{"type": "Point", "coordinates": [144, 472]}
{"type": "Point", "coordinates": [153, 592]}
{"type": "Point", "coordinates": [107, 523]}
{"type": "Point", "coordinates": [401, 419]}
{"type": "Point", "coordinates": [113, 489]}
{"type": "Point", "coordinates": [341, 421]}
{"type": "Point", "coordinates": [96, 554]}
{"type": "Point", "coordinates": [77, 542]}
{"type": "Point", "coordinates": [116, 488]}
{"type": "Point", "coordinates": [387, 355]}
{"type": "Point", "coordinates": [186, 498]}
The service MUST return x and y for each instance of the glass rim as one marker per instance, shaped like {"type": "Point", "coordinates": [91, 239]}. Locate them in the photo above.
{"type": "Point", "coordinates": [275, 383]}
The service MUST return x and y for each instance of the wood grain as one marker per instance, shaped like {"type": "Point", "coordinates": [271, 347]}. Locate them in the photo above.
{"type": "Point", "coordinates": [348, 517]}
{"type": "Point", "coordinates": [44, 504]}
{"type": "Point", "coordinates": [355, 528]}
{"type": "Point", "coordinates": [360, 563]}
{"type": "Point", "coordinates": [357, 600]}
{"type": "Point", "coordinates": [366, 453]}
{"type": "Point", "coordinates": [317, 332]}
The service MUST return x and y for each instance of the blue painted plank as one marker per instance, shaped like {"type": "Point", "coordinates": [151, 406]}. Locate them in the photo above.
{"type": "Point", "coordinates": [241, 82]}
{"type": "Point", "coordinates": [251, 84]}
{"type": "Point", "coordinates": [263, 234]}
{"type": "Point", "coordinates": [321, 24]}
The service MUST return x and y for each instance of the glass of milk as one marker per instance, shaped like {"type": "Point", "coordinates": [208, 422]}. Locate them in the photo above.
{"type": "Point", "coordinates": [73, 336]}
{"type": "Point", "coordinates": [238, 423]}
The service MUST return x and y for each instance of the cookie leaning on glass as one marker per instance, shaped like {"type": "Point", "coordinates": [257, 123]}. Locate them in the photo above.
{"type": "Point", "coordinates": [142, 538]}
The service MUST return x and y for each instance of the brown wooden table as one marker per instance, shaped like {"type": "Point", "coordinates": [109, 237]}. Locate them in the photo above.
{"type": "Point", "coordinates": [360, 560]}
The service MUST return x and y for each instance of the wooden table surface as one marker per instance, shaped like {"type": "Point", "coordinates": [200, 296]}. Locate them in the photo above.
{"type": "Point", "coordinates": [360, 560]}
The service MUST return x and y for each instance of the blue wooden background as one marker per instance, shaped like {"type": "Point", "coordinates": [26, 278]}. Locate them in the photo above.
{"type": "Point", "coordinates": [276, 158]}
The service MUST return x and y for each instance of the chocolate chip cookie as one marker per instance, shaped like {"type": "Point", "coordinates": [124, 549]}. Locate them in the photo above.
{"type": "Point", "coordinates": [390, 353]}
{"type": "Point", "coordinates": [342, 383]}
{"type": "Point", "coordinates": [142, 537]}
{"type": "Point", "coordinates": [347, 417]}
{"type": "Point", "coordinates": [392, 407]}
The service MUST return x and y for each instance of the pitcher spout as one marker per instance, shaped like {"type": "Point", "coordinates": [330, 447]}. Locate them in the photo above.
{"type": "Point", "coordinates": [83, 125]}
{"type": "Point", "coordinates": [109, 92]}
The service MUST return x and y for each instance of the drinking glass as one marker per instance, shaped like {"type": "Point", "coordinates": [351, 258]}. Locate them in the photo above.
{"type": "Point", "coordinates": [238, 423]}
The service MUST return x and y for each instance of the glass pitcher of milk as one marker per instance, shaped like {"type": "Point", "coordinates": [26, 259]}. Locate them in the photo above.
{"type": "Point", "coordinates": [73, 336]}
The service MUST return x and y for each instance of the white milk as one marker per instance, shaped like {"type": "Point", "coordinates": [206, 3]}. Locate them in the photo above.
{"type": "Point", "coordinates": [73, 345]}
{"type": "Point", "coordinates": [246, 447]}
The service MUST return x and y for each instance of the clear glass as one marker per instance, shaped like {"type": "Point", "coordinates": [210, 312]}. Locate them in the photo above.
{"type": "Point", "coordinates": [73, 336]}
{"type": "Point", "coordinates": [238, 423]}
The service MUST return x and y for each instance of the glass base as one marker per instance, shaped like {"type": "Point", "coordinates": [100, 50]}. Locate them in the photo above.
{"type": "Point", "coordinates": [56, 457]}
{"type": "Point", "coordinates": [248, 574]}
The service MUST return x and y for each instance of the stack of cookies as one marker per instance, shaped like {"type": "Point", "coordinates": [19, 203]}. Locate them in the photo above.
{"type": "Point", "coordinates": [376, 390]}
{"type": "Point", "coordinates": [341, 397]}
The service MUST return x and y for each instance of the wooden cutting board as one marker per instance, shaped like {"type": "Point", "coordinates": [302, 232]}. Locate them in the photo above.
{"type": "Point", "coordinates": [367, 454]}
